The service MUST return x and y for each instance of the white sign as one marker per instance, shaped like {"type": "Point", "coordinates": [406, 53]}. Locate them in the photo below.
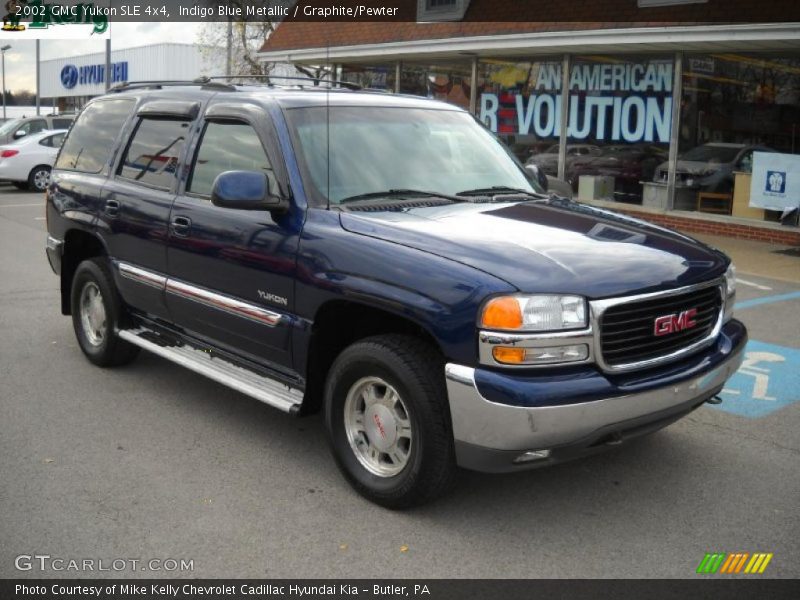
{"type": "Point", "coordinates": [776, 181]}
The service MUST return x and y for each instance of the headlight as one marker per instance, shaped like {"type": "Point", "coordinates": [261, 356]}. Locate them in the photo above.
{"type": "Point", "coordinates": [534, 313]}
{"type": "Point", "coordinates": [730, 292]}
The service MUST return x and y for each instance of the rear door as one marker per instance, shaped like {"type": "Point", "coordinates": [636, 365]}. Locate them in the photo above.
{"type": "Point", "coordinates": [85, 160]}
{"type": "Point", "coordinates": [136, 200]}
{"type": "Point", "coordinates": [232, 271]}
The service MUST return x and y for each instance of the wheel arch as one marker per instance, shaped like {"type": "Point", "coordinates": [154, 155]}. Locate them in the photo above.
{"type": "Point", "coordinates": [338, 324]}
{"type": "Point", "coordinates": [79, 245]}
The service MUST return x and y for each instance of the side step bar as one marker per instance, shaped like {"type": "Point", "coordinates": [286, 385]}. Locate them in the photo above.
{"type": "Point", "coordinates": [233, 376]}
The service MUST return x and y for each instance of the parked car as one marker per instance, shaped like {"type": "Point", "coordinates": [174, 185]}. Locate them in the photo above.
{"type": "Point", "coordinates": [27, 162]}
{"type": "Point", "coordinates": [15, 129]}
{"type": "Point", "coordinates": [384, 259]}
{"type": "Point", "coordinates": [628, 164]}
{"type": "Point", "coordinates": [548, 160]}
{"type": "Point", "coordinates": [710, 167]}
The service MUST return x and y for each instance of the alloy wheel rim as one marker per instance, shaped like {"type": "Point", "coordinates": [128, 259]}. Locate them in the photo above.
{"type": "Point", "coordinates": [378, 426]}
{"type": "Point", "coordinates": [41, 179]}
{"type": "Point", "coordinates": [93, 314]}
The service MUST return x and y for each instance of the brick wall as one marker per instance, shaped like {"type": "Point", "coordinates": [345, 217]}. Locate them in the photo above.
{"type": "Point", "coordinates": [783, 237]}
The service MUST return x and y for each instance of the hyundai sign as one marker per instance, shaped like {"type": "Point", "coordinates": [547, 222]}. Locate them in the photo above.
{"type": "Point", "coordinates": [72, 76]}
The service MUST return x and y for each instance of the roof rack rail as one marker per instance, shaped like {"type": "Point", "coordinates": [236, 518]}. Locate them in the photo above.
{"type": "Point", "coordinates": [159, 83]}
{"type": "Point", "coordinates": [343, 84]}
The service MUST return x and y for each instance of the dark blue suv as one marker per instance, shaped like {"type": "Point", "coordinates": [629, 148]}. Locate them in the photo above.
{"type": "Point", "coordinates": [387, 260]}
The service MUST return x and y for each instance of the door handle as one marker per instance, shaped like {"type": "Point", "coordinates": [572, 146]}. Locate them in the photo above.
{"type": "Point", "coordinates": [112, 208]}
{"type": "Point", "coordinates": [181, 225]}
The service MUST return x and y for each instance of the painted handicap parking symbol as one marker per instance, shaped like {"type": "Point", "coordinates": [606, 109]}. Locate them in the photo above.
{"type": "Point", "coordinates": [768, 380]}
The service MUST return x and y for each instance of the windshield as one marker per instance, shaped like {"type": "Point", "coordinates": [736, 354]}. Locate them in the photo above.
{"type": "Point", "coordinates": [375, 150]}
{"type": "Point", "coordinates": [9, 126]}
{"type": "Point", "coordinates": [707, 152]}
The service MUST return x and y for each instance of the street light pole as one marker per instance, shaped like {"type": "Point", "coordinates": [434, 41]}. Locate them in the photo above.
{"type": "Point", "coordinates": [3, 52]}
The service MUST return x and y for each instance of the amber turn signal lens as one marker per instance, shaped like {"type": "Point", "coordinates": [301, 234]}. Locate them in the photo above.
{"type": "Point", "coordinates": [510, 356]}
{"type": "Point", "coordinates": [502, 313]}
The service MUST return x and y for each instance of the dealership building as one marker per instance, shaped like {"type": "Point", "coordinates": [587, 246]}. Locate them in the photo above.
{"type": "Point", "coordinates": [67, 83]}
{"type": "Point", "coordinates": [692, 126]}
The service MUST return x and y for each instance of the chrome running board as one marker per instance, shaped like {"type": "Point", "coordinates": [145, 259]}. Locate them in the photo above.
{"type": "Point", "coordinates": [220, 370]}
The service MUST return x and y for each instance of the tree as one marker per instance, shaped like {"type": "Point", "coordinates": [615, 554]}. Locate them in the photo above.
{"type": "Point", "coordinates": [248, 37]}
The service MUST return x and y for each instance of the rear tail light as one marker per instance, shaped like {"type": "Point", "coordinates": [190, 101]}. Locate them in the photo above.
{"type": "Point", "coordinates": [8, 153]}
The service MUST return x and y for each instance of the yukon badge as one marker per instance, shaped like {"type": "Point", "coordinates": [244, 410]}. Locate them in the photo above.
{"type": "Point", "coordinates": [267, 297]}
{"type": "Point", "coordinates": [674, 323]}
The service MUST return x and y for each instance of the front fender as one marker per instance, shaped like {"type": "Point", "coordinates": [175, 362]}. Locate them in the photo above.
{"type": "Point", "coordinates": [440, 295]}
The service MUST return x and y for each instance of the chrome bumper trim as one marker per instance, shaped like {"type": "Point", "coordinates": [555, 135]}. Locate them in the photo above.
{"type": "Point", "coordinates": [54, 243]}
{"type": "Point", "coordinates": [481, 422]}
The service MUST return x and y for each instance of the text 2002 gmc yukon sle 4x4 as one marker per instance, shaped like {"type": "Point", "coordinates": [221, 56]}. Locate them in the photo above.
{"type": "Point", "coordinates": [386, 260]}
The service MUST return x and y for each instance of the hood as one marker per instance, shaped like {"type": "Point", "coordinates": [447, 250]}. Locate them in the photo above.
{"type": "Point", "coordinates": [549, 247]}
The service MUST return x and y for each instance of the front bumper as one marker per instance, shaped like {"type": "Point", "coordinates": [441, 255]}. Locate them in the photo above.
{"type": "Point", "coordinates": [498, 416]}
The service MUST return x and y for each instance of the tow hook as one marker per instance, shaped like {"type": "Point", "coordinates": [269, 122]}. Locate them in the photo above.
{"type": "Point", "coordinates": [714, 400]}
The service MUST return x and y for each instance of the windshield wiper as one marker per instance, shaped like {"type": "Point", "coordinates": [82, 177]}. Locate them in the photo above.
{"type": "Point", "coordinates": [399, 193]}
{"type": "Point", "coordinates": [501, 190]}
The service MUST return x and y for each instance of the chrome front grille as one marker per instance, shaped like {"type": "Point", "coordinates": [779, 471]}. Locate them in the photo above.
{"type": "Point", "coordinates": [626, 327]}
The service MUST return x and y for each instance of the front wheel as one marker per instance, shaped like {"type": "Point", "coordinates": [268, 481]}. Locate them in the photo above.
{"type": "Point", "coordinates": [39, 178]}
{"type": "Point", "coordinates": [388, 420]}
{"type": "Point", "coordinates": [97, 313]}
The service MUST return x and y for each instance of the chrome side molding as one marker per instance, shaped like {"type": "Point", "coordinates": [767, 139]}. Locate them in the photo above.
{"type": "Point", "coordinates": [204, 296]}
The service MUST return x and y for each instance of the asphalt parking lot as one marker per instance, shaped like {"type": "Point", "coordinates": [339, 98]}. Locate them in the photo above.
{"type": "Point", "coordinates": [151, 461]}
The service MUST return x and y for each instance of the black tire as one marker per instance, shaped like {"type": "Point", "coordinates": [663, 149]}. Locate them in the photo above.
{"type": "Point", "coordinates": [93, 277]}
{"type": "Point", "coordinates": [39, 178]}
{"type": "Point", "coordinates": [20, 185]}
{"type": "Point", "coordinates": [416, 371]}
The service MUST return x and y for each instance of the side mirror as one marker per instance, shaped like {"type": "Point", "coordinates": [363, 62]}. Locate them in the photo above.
{"type": "Point", "coordinates": [539, 175]}
{"type": "Point", "coordinates": [245, 190]}
{"type": "Point", "coordinates": [19, 133]}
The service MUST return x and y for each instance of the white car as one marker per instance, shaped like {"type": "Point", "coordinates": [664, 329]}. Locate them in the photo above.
{"type": "Point", "coordinates": [27, 162]}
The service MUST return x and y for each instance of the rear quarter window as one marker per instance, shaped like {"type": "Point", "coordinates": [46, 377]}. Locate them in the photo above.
{"type": "Point", "coordinates": [91, 141]}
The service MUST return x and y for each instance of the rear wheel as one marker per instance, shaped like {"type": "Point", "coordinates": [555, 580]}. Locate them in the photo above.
{"type": "Point", "coordinates": [39, 178]}
{"type": "Point", "coordinates": [388, 421]}
{"type": "Point", "coordinates": [97, 314]}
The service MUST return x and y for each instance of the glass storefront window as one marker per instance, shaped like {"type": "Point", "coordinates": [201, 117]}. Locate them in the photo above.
{"type": "Point", "coordinates": [376, 77]}
{"type": "Point", "coordinates": [618, 132]}
{"type": "Point", "coordinates": [732, 106]}
{"type": "Point", "coordinates": [519, 101]}
{"type": "Point", "coordinates": [449, 82]}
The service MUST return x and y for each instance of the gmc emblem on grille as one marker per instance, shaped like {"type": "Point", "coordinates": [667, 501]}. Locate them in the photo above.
{"type": "Point", "coordinates": [675, 323]}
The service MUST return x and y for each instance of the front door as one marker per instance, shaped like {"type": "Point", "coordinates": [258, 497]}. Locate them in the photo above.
{"type": "Point", "coordinates": [231, 272]}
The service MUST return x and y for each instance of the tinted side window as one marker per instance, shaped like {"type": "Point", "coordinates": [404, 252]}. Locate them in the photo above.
{"type": "Point", "coordinates": [62, 123]}
{"type": "Point", "coordinates": [91, 141]}
{"type": "Point", "coordinates": [155, 149]}
{"type": "Point", "coordinates": [227, 147]}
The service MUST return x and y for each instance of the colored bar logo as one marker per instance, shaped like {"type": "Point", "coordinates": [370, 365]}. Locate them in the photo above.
{"type": "Point", "coordinates": [734, 563]}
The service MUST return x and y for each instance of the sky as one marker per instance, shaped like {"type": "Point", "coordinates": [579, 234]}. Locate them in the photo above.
{"type": "Point", "coordinates": [21, 58]}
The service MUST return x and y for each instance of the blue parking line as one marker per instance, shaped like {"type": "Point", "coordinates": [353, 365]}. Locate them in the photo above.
{"type": "Point", "coordinates": [767, 300]}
